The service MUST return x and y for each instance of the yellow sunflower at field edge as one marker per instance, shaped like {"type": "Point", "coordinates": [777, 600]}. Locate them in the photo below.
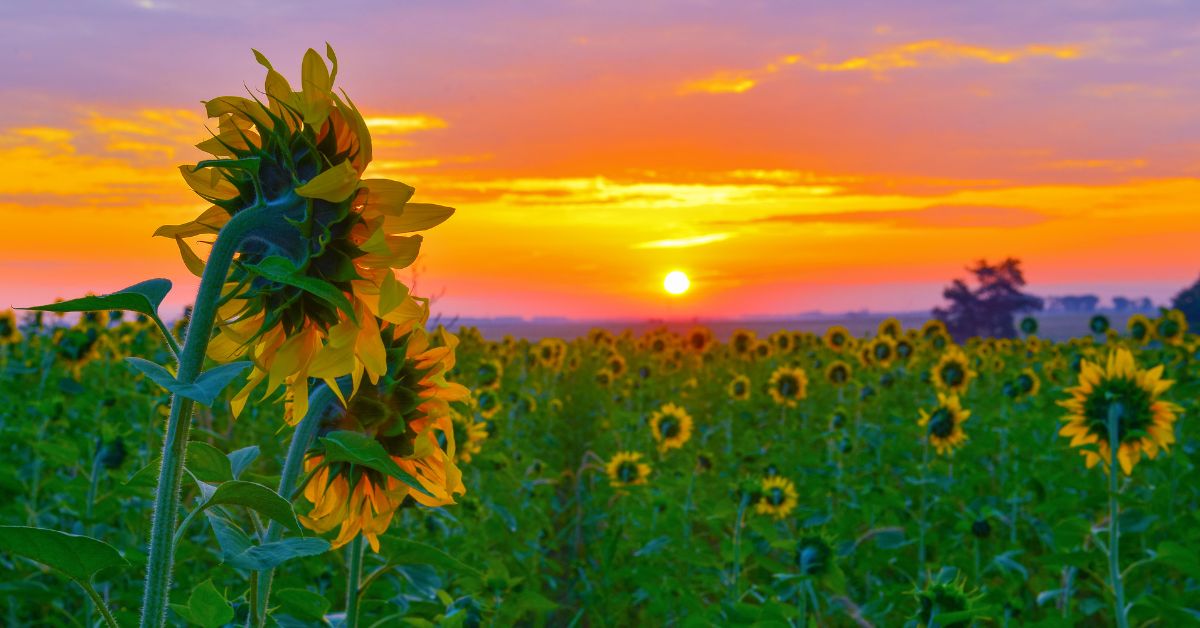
{"type": "Point", "coordinates": [944, 424]}
{"type": "Point", "coordinates": [778, 497]}
{"type": "Point", "coordinates": [671, 427]}
{"type": "Point", "coordinates": [1145, 422]}
{"type": "Point", "coordinates": [306, 291]}
{"type": "Point", "coordinates": [788, 386]}
{"type": "Point", "coordinates": [627, 469]}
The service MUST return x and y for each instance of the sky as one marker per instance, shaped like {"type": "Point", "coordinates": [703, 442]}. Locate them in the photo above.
{"type": "Point", "coordinates": [788, 156]}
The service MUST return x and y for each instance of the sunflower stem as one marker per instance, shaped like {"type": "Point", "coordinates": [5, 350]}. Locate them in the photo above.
{"type": "Point", "coordinates": [1114, 522]}
{"type": "Point", "coordinates": [319, 401]}
{"type": "Point", "coordinates": [921, 515]}
{"type": "Point", "coordinates": [353, 577]}
{"type": "Point", "coordinates": [175, 440]}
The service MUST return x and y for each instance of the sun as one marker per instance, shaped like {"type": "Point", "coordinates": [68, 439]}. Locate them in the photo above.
{"type": "Point", "coordinates": [676, 282]}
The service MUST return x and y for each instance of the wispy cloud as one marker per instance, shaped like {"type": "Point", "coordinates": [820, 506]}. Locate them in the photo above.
{"type": "Point", "coordinates": [928, 52]}
{"type": "Point", "coordinates": [681, 243]}
{"type": "Point", "coordinates": [399, 125]}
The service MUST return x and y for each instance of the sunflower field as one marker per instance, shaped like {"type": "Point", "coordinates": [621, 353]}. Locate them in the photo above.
{"type": "Point", "coordinates": [304, 447]}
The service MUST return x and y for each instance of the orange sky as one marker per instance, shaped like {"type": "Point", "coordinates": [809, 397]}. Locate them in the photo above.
{"type": "Point", "coordinates": [851, 156]}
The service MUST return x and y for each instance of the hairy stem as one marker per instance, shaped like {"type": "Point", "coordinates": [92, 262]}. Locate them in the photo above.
{"type": "Point", "coordinates": [1114, 523]}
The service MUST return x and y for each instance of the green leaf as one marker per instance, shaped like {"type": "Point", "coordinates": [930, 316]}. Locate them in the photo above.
{"type": "Point", "coordinates": [271, 555]}
{"type": "Point", "coordinates": [240, 459]}
{"type": "Point", "coordinates": [143, 298]}
{"type": "Point", "coordinates": [231, 539]}
{"type": "Point", "coordinates": [79, 557]}
{"type": "Point", "coordinates": [208, 607]}
{"type": "Point", "coordinates": [206, 387]}
{"type": "Point", "coordinates": [207, 463]}
{"type": "Point", "coordinates": [257, 497]}
{"type": "Point", "coordinates": [280, 270]}
{"type": "Point", "coordinates": [360, 449]}
{"type": "Point", "coordinates": [405, 552]}
{"type": "Point", "coordinates": [303, 604]}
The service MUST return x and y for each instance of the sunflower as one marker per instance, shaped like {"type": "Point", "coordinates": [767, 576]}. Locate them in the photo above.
{"type": "Point", "coordinates": [488, 374]}
{"type": "Point", "coordinates": [1098, 324]}
{"type": "Point", "coordinates": [469, 435]}
{"type": "Point", "coordinates": [946, 595]}
{"type": "Point", "coordinates": [699, 339]}
{"type": "Point", "coordinates": [788, 385]}
{"type": "Point", "coordinates": [1027, 384]}
{"type": "Point", "coordinates": [1139, 329]}
{"type": "Point", "coordinates": [75, 346]}
{"type": "Point", "coordinates": [762, 350]}
{"type": "Point", "coordinates": [838, 373]}
{"type": "Point", "coordinates": [409, 415]}
{"type": "Point", "coordinates": [549, 352]}
{"type": "Point", "coordinates": [952, 373]}
{"type": "Point", "coordinates": [815, 556]}
{"type": "Point", "coordinates": [778, 497]}
{"type": "Point", "coordinates": [1171, 327]}
{"type": "Point", "coordinates": [739, 388]}
{"type": "Point", "coordinates": [782, 341]}
{"type": "Point", "coordinates": [616, 364]}
{"type": "Point", "coordinates": [604, 377]}
{"type": "Point", "coordinates": [934, 327]}
{"type": "Point", "coordinates": [883, 350]}
{"type": "Point", "coordinates": [488, 403]}
{"type": "Point", "coordinates": [8, 328]}
{"type": "Point", "coordinates": [945, 424]}
{"type": "Point", "coordinates": [904, 349]}
{"type": "Point", "coordinates": [1029, 325]}
{"type": "Point", "coordinates": [311, 280]}
{"type": "Point", "coordinates": [671, 427]}
{"type": "Point", "coordinates": [742, 343]}
{"type": "Point", "coordinates": [1130, 394]}
{"type": "Point", "coordinates": [890, 327]}
{"type": "Point", "coordinates": [600, 337]}
{"type": "Point", "coordinates": [626, 469]}
{"type": "Point", "coordinates": [837, 337]}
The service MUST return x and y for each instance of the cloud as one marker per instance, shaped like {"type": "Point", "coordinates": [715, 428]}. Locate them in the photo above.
{"type": "Point", "coordinates": [945, 216]}
{"type": "Point", "coordinates": [924, 53]}
{"type": "Point", "coordinates": [400, 125]}
{"type": "Point", "coordinates": [1111, 165]}
{"type": "Point", "coordinates": [680, 243]}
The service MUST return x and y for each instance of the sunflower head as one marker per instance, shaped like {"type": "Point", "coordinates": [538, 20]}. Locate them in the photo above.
{"type": "Point", "coordinates": [604, 377]}
{"type": "Point", "coordinates": [1121, 392]}
{"type": "Point", "coordinates": [1029, 325]}
{"type": "Point", "coordinates": [1171, 327]}
{"type": "Point", "coordinates": [699, 339]}
{"type": "Point", "coordinates": [1140, 329]}
{"type": "Point", "coordinates": [671, 427]}
{"type": "Point", "coordinates": [945, 594]}
{"type": "Point", "coordinates": [739, 388]}
{"type": "Point", "coordinates": [883, 350]}
{"type": "Point", "coordinates": [469, 435]}
{"type": "Point", "coordinates": [837, 338]}
{"type": "Point", "coordinates": [944, 424]}
{"type": "Point", "coordinates": [838, 373]}
{"type": "Point", "coordinates": [952, 373]}
{"type": "Point", "coordinates": [816, 557]}
{"type": "Point", "coordinates": [1099, 324]}
{"type": "Point", "coordinates": [778, 497]}
{"type": "Point", "coordinates": [627, 469]}
{"type": "Point", "coordinates": [488, 374]}
{"type": "Point", "coordinates": [1026, 384]}
{"type": "Point", "coordinates": [8, 328]}
{"type": "Point", "coordinates": [788, 385]}
{"type": "Point", "coordinates": [890, 327]}
{"type": "Point", "coordinates": [487, 401]}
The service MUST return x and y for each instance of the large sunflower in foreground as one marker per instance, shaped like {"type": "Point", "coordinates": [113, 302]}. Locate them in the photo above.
{"type": "Point", "coordinates": [313, 277]}
{"type": "Point", "coordinates": [944, 424]}
{"type": "Point", "coordinates": [627, 469]}
{"type": "Point", "coordinates": [788, 386]}
{"type": "Point", "coordinates": [778, 497]}
{"type": "Point", "coordinates": [671, 427]}
{"type": "Point", "coordinates": [1145, 423]}
{"type": "Point", "coordinates": [952, 373]}
{"type": "Point", "coordinates": [409, 415]}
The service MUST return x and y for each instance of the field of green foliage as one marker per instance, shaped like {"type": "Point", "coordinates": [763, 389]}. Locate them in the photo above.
{"type": "Point", "coordinates": [657, 479]}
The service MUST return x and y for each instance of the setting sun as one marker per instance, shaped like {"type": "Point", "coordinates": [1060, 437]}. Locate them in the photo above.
{"type": "Point", "coordinates": [676, 282]}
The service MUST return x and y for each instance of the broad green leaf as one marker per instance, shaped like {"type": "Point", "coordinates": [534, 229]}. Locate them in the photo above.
{"type": "Point", "coordinates": [207, 463]}
{"type": "Point", "coordinates": [231, 539]}
{"type": "Point", "coordinates": [206, 387]}
{"type": "Point", "coordinates": [404, 551]}
{"type": "Point", "coordinates": [303, 604]}
{"type": "Point", "coordinates": [360, 449]}
{"type": "Point", "coordinates": [79, 557]}
{"type": "Point", "coordinates": [271, 555]}
{"type": "Point", "coordinates": [143, 298]}
{"type": "Point", "coordinates": [208, 607]}
{"type": "Point", "coordinates": [280, 270]}
{"type": "Point", "coordinates": [257, 497]}
{"type": "Point", "coordinates": [241, 458]}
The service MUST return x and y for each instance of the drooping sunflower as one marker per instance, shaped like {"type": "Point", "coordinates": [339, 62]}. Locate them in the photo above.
{"type": "Point", "coordinates": [409, 415]}
{"type": "Point", "coordinates": [952, 373]}
{"type": "Point", "coordinates": [627, 469]}
{"type": "Point", "coordinates": [788, 385]}
{"type": "Point", "coordinates": [1171, 327]}
{"type": "Point", "coordinates": [316, 273]}
{"type": "Point", "coordinates": [838, 373]}
{"type": "Point", "coordinates": [671, 427]}
{"type": "Point", "coordinates": [1128, 394]}
{"type": "Point", "coordinates": [1140, 329]}
{"type": "Point", "coordinates": [837, 337]}
{"type": "Point", "coordinates": [778, 497]}
{"type": "Point", "coordinates": [739, 388]}
{"type": "Point", "coordinates": [469, 435]}
{"type": "Point", "coordinates": [8, 328]}
{"type": "Point", "coordinates": [944, 424]}
{"type": "Point", "coordinates": [488, 374]}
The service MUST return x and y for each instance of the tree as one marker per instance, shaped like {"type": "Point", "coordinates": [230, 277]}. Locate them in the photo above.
{"type": "Point", "coordinates": [1188, 302]}
{"type": "Point", "coordinates": [989, 309]}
